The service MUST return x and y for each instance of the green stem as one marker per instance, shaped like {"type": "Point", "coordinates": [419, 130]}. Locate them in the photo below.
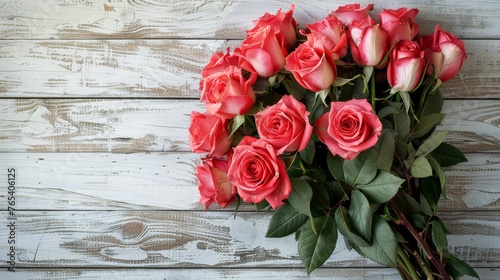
{"type": "Point", "coordinates": [428, 253]}
{"type": "Point", "coordinates": [403, 270]}
{"type": "Point", "coordinates": [372, 89]}
{"type": "Point", "coordinates": [408, 263]}
{"type": "Point", "coordinates": [423, 266]}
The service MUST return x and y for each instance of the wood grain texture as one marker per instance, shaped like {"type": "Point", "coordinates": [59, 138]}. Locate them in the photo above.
{"type": "Point", "coordinates": [169, 68]}
{"type": "Point", "coordinates": [166, 181]}
{"type": "Point", "coordinates": [214, 274]}
{"type": "Point", "coordinates": [117, 68]}
{"type": "Point", "coordinates": [74, 19]}
{"type": "Point", "coordinates": [68, 239]}
{"type": "Point", "coordinates": [127, 125]}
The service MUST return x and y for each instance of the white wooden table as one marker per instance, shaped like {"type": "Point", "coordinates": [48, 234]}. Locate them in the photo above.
{"type": "Point", "coordinates": [95, 98]}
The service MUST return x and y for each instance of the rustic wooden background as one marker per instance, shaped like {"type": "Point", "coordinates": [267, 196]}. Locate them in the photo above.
{"type": "Point", "coordinates": [95, 97]}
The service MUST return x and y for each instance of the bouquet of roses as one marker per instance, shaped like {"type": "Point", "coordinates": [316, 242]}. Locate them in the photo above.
{"type": "Point", "coordinates": [332, 126]}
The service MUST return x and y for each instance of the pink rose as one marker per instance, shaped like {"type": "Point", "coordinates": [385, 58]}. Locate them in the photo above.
{"type": "Point", "coordinates": [349, 128]}
{"type": "Point", "coordinates": [228, 93]}
{"type": "Point", "coordinates": [258, 173]}
{"type": "Point", "coordinates": [285, 125]}
{"type": "Point", "coordinates": [368, 42]}
{"type": "Point", "coordinates": [330, 31]}
{"type": "Point", "coordinates": [283, 25]}
{"type": "Point", "coordinates": [445, 54]}
{"type": "Point", "coordinates": [213, 183]}
{"type": "Point", "coordinates": [406, 66]}
{"type": "Point", "coordinates": [399, 24]}
{"type": "Point", "coordinates": [312, 65]}
{"type": "Point", "coordinates": [209, 134]}
{"type": "Point", "coordinates": [262, 53]}
{"type": "Point", "coordinates": [218, 63]}
{"type": "Point", "coordinates": [352, 12]}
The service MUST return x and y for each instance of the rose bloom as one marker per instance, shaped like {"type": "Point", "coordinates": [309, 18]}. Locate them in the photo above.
{"type": "Point", "coordinates": [445, 54]}
{"type": "Point", "coordinates": [218, 63]}
{"type": "Point", "coordinates": [228, 93]}
{"type": "Point", "coordinates": [285, 125]}
{"type": "Point", "coordinates": [312, 65]}
{"type": "Point", "coordinates": [283, 25]}
{"type": "Point", "coordinates": [368, 42]}
{"type": "Point", "coordinates": [399, 24]}
{"type": "Point", "coordinates": [262, 53]}
{"type": "Point", "coordinates": [209, 134]}
{"type": "Point", "coordinates": [258, 173]}
{"type": "Point", "coordinates": [349, 128]}
{"type": "Point", "coordinates": [213, 183]}
{"type": "Point", "coordinates": [352, 12]}
{"type": "Point", "coordinates": [330, 31]}
{"type": "Point", "coordinates": [406, 66]}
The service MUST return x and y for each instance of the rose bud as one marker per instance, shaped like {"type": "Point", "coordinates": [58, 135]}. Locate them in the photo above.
{"type": "Point", "coordinates": [228, 93]}
{"type": "Point", "coordinates": [399, 24]}
{"type": "Point", "coordinates": [285, 125]}
{"type": "Point", "coordinates": [258, 173]}
{"type": "Point", "coordinates": [352, 12]}
{"type": "Point", "coordinates": [330, 31]}
{"type": "Point", "coordinates": [262, 53]}
{"type": "Point", "coordinates": [349, 128]}
{"type": "Point", "coordinates": [368, 42]}
{"type": "Point", "coordinates": [445, 54]}
{"type": "Point", "coordinates": [283, 25]}
{"type": "Point", "coordinates": [209, 134]}
{"type": "Point", "coordinates": [213, 183]}
{"type": "Point", "coordinates": [312, 65]}
{"type": "Point", "coordinates": [406, 66]}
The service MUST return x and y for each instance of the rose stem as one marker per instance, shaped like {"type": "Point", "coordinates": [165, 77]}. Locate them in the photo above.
{"type": "Point", "coordinates": [420, 241]}
{"type": "Point", "coordinates": [409, 265]}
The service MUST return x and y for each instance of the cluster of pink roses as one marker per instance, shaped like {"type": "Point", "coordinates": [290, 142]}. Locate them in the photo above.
{"type": "Point", "coordinates": [252, 167]}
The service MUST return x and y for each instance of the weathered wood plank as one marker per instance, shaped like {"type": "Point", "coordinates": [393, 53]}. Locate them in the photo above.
{"type": "Point", "coordinates": [168, 68]}
{"type": "Point", "coordinates": [202, 239]}
{"type": "Point", "coordinates": [118, 68]}
{"type": "Point", "coordinates": [166, 181]}
{"type": "Point", "coordinates": [73, 19]}
{"type": "Point", "coordinates": [75, 125]}
{"type": "Point", "coordinates": [214, 274]}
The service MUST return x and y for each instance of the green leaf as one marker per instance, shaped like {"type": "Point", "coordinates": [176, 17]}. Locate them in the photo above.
{"type": "Point", "coordinates": [433, 104]}
{"type": "Point", "coordinates": [431, 189]}
{"type": "Point", "coordinates": [307, 154]}
{"type": "Point", "coordinates": [405, 96]}
{"type": "Point", "coordinates": [388, 110]}
{"type": "Point", "coordinates": [438, 236]}
{"type": "Point", "coordinates": [426, 125]}
{"type": "Point", "coordinates": [431, 143]}
{"type": "Point", "coordinates": [336, 166]}
{"type": "Point", "coordinates": [313, 105]}
{"type": "Point", "coordinates": [237, 121]}
{"type": "Point", "coordinates": [285, 221]}
{"type": "Point", "coordinates": [361, 215]}
{"type": "Point", "coordinates": [295, 169]}
{"type": "Point", "coordinates": [402, 126]}
{"type": "Point", "coordinates": [386, 145]}
{"type": "Point", "coordinates": [456, 267]}
{"type": "Point", "coordinates": [421, 168]}
{"type": "Point", "coordinates": [384, 247]}
{"type": "Point", "coordinates": [439, 171]}
{"type": "Point", "coordinates": [447, 155]}
{"type": "Point", "coordinates": [321, 197]}
{"type": "Point", "coordinates": [262, 205]}
{"type": "Point", "coordinates": [382, 188]}
{"type": "Point", "coordinates": [301, 195]}
{"type": "Point", "coordinates": [419, 220]}
{"type": "Point", "coordinates": [346, 228]}
{"type": "Point", "coordinates": [362, 169]}
{"type": "Point", "coordinates": [315, 249]}
{"type": "Point", "coordinates": [426, 207]}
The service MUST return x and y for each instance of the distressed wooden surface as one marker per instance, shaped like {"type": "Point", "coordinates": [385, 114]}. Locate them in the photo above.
{"type": "Point", "coordinates": [158, 125]}
{"type": "Point", "coordinates": [95, 98]}
{"type": "Point", "coordinates": [55, 19]}
{"type": "Point", "coordinates": [165, 181]}
{"type": "Point", "coordinates": [204, 239]}
{"type": "Point", "coordinates": [217, 273]}
{"type": "Point", "coordinates": [169, 68]}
